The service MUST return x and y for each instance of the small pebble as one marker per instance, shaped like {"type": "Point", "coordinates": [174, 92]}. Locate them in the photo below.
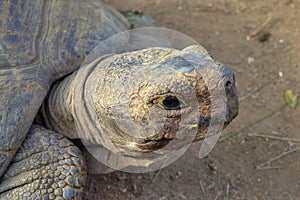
{"type": "Point", "coordinates": [251, 60]}
{"type": "Point", "coordinates": [280, 74]}
{"type": "Point", "coordinates": [178, 174]}
{"type": "Point", "coordinates": [259, 180]}
{"type": "Point", "coordinates": [162, 198]}
{"type": "Point", "coordinates": [281, 41]}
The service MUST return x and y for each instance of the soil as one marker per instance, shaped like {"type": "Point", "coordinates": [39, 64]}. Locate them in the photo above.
{"type": "Point", "coordinates": [260, 41]}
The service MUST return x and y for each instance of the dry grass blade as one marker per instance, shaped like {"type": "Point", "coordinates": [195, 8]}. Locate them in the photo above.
{"type": "Point", "coordinates": [202, 188]}
{"type": "Point", "coordinates": [218, 195]}
{"type": "Point", "coordinates": [260, 28]}
{"type": "Point", "coordinates": [227, 191]}
{"type": "Point", "coordinates": [234, 133]}
{"type": "Point", "coordinates": [269, 162]}
{"type": "Point", "coordinates": [274, 137]}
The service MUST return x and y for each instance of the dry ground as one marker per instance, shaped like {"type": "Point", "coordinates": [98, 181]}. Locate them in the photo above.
{"type": "Point", "coordinates": [231, 170]}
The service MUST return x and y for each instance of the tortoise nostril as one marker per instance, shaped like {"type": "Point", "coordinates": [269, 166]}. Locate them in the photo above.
{"type": "Point", "coordinates": [228, 84]}
{"type": "Point", "coordinates": [229, 77]}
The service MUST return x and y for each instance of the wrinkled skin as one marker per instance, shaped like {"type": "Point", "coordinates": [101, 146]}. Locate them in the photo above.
{"type": "Point", "coordinates": [148, 85]}
{"type": "Point", "coordinates": [141, 98]}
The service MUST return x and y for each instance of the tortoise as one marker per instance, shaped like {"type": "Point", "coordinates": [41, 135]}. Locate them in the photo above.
{"type": "Point", "coordinates": [42, 46]}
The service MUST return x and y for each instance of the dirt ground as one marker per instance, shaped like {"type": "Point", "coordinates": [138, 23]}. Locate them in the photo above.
{"type": "Point", "coordinates": [259, 40]}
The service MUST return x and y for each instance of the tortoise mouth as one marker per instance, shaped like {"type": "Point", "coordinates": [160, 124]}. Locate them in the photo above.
{"type": "Point", "coordinates": [170, 133]}
{"type": "Point", "coordinates": [150, 145]}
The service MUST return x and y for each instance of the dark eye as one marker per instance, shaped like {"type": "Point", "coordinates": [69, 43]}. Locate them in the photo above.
{"type": "Point", "coordinates": [171, 103]}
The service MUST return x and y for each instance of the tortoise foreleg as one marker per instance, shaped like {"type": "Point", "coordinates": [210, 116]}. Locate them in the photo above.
{"type": "Point", "coordinates": [47, 166]}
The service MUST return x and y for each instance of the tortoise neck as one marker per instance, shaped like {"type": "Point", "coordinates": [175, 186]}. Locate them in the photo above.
{"type": "Point", "coordinates": [55, 113]}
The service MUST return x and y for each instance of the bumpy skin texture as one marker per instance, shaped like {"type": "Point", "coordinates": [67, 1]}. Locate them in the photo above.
{"type": "Point", "coordinates": [142, 80]}
{"type": "Point", "coordinates": [40, 42]}
{"type": "Point", "coordinates": [47, 166]}
{"type": "Point", "coordinates": [125, 92]}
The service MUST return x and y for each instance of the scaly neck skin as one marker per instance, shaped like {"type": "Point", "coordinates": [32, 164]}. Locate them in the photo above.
{"type": "Point", "coordinates": [67, 110]}
{"type": "Point", "coordinates": [55, 113]}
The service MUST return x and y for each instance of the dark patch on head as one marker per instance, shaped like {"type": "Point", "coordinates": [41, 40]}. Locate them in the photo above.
{"type": "Point", "coordinates": [204, 120]}
{"type": "Point", "coordinates": [178, 62]}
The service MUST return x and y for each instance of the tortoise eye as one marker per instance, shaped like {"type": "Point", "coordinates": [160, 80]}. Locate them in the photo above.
{"type": "Point", "coordinates": [171, 103]}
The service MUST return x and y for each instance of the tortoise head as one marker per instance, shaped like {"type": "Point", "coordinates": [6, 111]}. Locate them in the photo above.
{"type": "Point", "coordinates": [145, 99]}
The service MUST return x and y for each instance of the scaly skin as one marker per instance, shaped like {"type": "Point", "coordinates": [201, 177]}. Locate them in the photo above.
{"type": "Point", "coordinates": [47, 166]}
{"type": "Point", "coordinates": [132, 86]}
